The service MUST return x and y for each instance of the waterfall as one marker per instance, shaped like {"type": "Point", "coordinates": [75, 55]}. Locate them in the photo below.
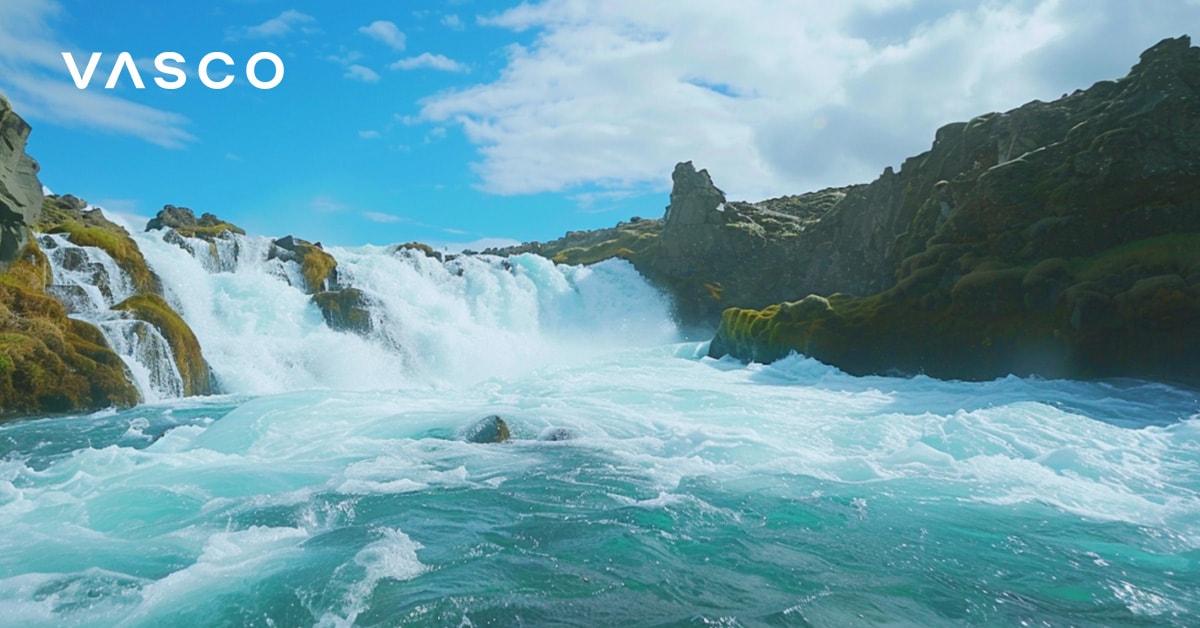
{"type": "Point", "coordinates": [89, 282]}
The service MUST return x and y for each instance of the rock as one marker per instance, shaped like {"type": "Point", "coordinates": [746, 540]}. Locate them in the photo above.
{"type": "Point", "coordinates": [489, 429]}
{"type": "Point", "coordinates": [184, 222]}
{"type": "Point", "coordinates": [422, 248]}
{"type": "Point", "coordinates": [345, 310]}
{"type": "Point", "coordinates": [20, 190]}
{"type": "Point", "coordinates": [49, 362]}
{"type": "Point", "coordinates": [1055, 239]}
{"type": "Point", "coordinates": [318, 268]}
{"type": "Point", "coordinates": [65, 214]}
{"type": "Point", "coordinates": [555, 434]}
{"type": "Point", "coordinates": [151, 308]}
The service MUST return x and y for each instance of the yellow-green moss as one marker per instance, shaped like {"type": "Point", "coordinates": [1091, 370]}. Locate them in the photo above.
{"type": "Point", "coordinates": [115, 241]}
{"type": "Point", "coordinates": [209, 232]}
{"type": "Point", "coordinates": [152, 309]}
{"type": "Point", "coordinates": [631, 244]}
{"type": "Point", "coordinates": [315, 264]}
{"type": "Point", "coordinates": [48, 362]}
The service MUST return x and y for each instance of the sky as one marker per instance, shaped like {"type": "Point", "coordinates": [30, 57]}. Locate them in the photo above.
{"type": "Point", "coordinates": [465, 123]}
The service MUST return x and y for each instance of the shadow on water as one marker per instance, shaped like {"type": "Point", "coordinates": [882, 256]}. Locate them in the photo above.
{"type": "Point", "coordinates": [1122, 402]}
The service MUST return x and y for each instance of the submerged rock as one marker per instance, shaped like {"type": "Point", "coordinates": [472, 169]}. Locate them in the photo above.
{"type": "Point", "coordinates": [489, 429]}
{"type": "Point", "coordinates": [554, 434]}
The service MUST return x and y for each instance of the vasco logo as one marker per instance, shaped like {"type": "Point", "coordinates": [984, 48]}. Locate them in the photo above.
{"type": "Point", "coordinates": [125, 64]}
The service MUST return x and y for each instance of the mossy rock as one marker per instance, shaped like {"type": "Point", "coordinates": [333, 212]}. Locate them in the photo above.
{"type": "Point", "coordinates": [345, 310]}
{"type": "Point", "coordinates": [50, 363]}
{"type": "Point", "coordinates": [183, 220]}
{"type": "Point", "coordinates": [422, 248]}
{"type": "Point", "coordinates": [65, 214]}
{"type": "Point", "coordinates": [151, 308]}
{"type": "Point", "coordinates": [318, 268]}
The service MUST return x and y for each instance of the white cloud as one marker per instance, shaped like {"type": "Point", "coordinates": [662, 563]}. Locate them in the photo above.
{"type": "Point", "coordinates": [362, 73]}
{"type": "Point", "coordinates": [429, 61]}
{"type": "Point", "coordinates": [327, 205]}
{"type": "Point", "coordinates": [382, 217]}
{"type": "Point", "coordinates": [386, 32]}
{"type": "Point", "coordinates": [771, 99]}
{"type": "Point", "coordinates": [283, 24]}
{"type": "Point", "coordinates": [32, 75]}
{"type": "Point", "coordinates": [453, 22]}
{"type": "Point", "coordinates": [369, 135]}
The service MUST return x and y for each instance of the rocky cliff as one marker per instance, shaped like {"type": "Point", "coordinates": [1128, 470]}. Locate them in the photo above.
{"type": "Point", "coordinates": [20, 190]}
{"type": "Point", "coordinates": [1059, 238]}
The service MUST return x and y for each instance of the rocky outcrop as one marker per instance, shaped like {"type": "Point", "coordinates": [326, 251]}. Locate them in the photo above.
{"type": "Point", "coordinates": [183, 220]}
{"type": "Point", "coordinates": [68, 215]}
{"type": "Point", "coordinates": [345, 310]}
{"type": "Point", "coordinates": [20, 190]}
{"type": "Point", "coordinates": [48, 362]}
{"type": "Point", "coordinates": [318, 268]}
{"type": "Point", "coordinates": [635, 240]}
{"type": "Point", "coordinates": [1061, 239]}
{"type": "Point", "coordinates": [185, 348]}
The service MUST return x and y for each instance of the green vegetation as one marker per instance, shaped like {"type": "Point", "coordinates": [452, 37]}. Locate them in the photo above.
{"type": "Point", "coordinates": [152, 309]}
{"type": "Point", "coordinates": [48, 362]}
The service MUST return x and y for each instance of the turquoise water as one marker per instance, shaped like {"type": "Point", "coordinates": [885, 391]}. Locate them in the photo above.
{"type": "Point", "coordinates": [692, 492]}
{"type": "Point", "coordinates": [332, 486]}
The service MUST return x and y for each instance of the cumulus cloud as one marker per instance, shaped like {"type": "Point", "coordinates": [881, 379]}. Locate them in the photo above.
{"type": "Point", "coordinates": [429, 61]}
{"type": "Point", "coordinates": [369, 135]}
{"type": "Point", "coordinates": [453, 22]}
{"type": "Point", "coordinates": [285, 23]}
{"type": "Point", "coordinates": [362, 73]}
{"type": "Point", "coordinates": [386, 32]}
{"type": "Point", "coordinates": [32, 74]}
{"type": "Point", "coordinates": [612, 93]}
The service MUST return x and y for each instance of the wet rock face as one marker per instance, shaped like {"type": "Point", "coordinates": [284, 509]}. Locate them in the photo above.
{"type": "Point", "coordinates": [1060, 239]}
{"type": "Point", "coordinates": [489, 429]}
{"type": "Point", "coordinates": [20, 190]}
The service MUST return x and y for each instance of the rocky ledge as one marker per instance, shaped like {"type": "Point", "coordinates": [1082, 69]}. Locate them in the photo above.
{"type": "Point", "coordinates": [1060, 239]}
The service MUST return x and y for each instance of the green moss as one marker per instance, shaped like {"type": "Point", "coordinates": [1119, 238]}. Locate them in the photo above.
{"type": "Point", "coordinates": [316, 265]}
{"type": "Point", "coordinates": [48, 362]}
{"type": "Point", "coordinates": [115, 241]}
{"type": "Point", "coordinates": [152, 309]}
{"type": "Point", "coordinates": [635, 245]}
{"type": "Point", "coordinates": [344, 310]}
{"type": "Point", "coordinates": [209, 232]}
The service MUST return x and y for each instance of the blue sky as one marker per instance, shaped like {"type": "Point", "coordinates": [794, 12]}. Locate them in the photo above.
{"type": "Point", "coordinates": [463, 121]}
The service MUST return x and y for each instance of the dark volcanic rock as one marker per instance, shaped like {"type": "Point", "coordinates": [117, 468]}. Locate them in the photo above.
{"type": "Point", "coordinates": [184, 222]}
{"type": "Point", "coordinates": [1059, 238]}
{"type": "Point", "coordinates": [20, 190]}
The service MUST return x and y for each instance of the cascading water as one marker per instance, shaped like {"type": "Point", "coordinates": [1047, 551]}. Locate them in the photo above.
{"type": "Point", "coordinates": [88, 283]}
{"type": "Point", "coordinates": [467, 319]}
{"type": "Point", "coordinates": [642, 484]}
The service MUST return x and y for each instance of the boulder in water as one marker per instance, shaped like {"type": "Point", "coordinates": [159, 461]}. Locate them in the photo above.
{"type": "Point", "coordinates": [345, 309]}
{"type": "Point", "coordinates": [489, 429]}
{"type": "Point", "coordinates": [554, 434]}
